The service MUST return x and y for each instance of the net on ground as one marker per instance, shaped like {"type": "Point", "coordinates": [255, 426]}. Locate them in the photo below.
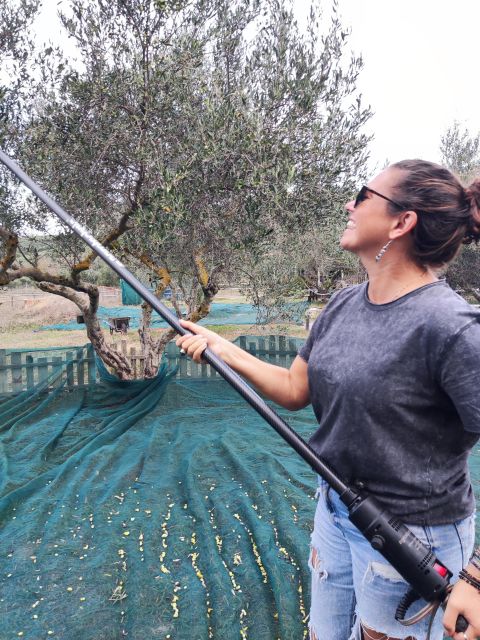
{"type": "Point", "coordinates": [163, 508]}
{"type": "Point", "coordinates": [150, 509]}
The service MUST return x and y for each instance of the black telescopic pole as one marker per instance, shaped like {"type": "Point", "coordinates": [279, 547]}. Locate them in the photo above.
{"type": "Point", "coordinates": [260, 406]}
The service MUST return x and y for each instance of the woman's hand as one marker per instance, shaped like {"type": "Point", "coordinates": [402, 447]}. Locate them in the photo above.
{"type": "Point", "coordinates": [194, 345]}
{"type": "Point", "coordinates": [465, 600]}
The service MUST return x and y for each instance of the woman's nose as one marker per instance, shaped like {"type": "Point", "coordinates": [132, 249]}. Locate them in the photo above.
{"type": "Point", "coordinates": [350, 206]}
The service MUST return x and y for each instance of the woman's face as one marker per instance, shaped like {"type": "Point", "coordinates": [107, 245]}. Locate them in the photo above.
{"type": "Point", "coordinates": [369, 223]}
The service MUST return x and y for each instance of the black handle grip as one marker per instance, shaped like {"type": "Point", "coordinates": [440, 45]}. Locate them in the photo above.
{"type": "Point", "coordinates": [461, 625]}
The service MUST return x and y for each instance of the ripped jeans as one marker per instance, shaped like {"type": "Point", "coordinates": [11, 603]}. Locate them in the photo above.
{"type": "Point", "coordinates": [352, 583]}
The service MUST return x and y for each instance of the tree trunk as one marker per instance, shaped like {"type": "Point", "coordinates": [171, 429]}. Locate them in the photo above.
{"type": "Point", "coordinates": [151, 359]}
{"type": "Point", "coordinates": [117, 361]}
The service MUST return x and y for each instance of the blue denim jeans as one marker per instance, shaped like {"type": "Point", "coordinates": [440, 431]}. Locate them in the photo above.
{"type": "Point", "coordinates": [352, 583]}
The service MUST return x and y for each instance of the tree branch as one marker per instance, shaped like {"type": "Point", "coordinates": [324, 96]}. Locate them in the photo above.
{"type": "Point", "coordinates": [65, 292]}
{"type": "Point", "coordinates": [10, 240]}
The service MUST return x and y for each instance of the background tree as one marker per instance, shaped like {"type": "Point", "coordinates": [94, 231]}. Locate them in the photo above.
{"type": "Point", "coordinates": [15, 51]}
{"type": "Point", "coordinates": [461, 154]}
{"type": "Point", "coordinates": [198, 140]}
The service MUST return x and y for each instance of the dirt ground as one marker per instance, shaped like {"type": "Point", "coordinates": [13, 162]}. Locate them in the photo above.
{"type": "Point", "coordinates": [23, 313]}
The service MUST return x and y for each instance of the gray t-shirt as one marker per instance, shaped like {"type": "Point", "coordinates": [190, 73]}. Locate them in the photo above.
{"type": "Point", "coordinates": [396, 391]}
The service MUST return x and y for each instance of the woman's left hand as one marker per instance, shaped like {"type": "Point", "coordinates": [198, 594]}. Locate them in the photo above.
{"type": "Point", "coordinates": [464, 600]}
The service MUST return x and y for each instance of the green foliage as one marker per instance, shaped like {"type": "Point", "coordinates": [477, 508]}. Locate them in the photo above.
{"type": "Point", "coordinates": [460, 151]}
{"type": "Point", "coordinates": [101, 274]}
{"type": "Point", "coordinates": [15, 51]}
{"type": "Point", "coordinates": [464, 273]}
{"type": "Point", "coordinates": [214, 131]}
{"type": "Point", "coordinates": [461, 154]}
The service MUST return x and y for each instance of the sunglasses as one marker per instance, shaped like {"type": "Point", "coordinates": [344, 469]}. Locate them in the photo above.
{"type": "Point", "coordinates": [362, 195]}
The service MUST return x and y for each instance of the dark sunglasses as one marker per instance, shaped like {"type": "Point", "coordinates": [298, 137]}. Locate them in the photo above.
{"type": "Point", "coordinates": [362, 195]}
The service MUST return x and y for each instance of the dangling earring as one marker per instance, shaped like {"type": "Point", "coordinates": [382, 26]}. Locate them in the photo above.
{"type": "Point", "coordinates": [379, 255]}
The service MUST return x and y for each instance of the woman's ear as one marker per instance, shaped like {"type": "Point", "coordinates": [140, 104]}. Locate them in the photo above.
{"type": "Point", "coordinates": [404, 223]}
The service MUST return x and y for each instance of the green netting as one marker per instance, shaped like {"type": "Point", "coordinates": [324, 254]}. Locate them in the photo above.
{"type": "Point", "coordinates": [151, 509]}
{"type": "Point", "coordinates": [162, 508]}
{"type": "Point", "coordinates": [221, 314]}
{"type": "Point", "coordinates": [129, 295]}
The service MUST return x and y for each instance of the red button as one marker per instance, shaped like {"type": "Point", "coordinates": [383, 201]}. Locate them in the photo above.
{"type": "Point", "coordinates": [439, 568]}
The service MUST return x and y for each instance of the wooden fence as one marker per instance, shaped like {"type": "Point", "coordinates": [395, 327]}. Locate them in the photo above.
{"type": "Point", "coordinates": [22, 297]}
{"type": "Point", "coordinates": [22, 370]}
{"type": "Point", "coordinates": [276, 349]}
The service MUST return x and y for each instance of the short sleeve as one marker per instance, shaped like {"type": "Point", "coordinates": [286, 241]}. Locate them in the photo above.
{"type": "Point", "coordinates": [460, 374]}
{"type": "Point", "coordinates": [304, 351]}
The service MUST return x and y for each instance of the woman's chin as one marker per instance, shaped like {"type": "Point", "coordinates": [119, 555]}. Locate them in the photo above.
{"type": "Point", "coordinates": [345, 242]}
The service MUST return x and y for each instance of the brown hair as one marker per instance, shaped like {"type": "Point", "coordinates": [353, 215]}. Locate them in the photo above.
{"type": "Point", "coordinates": [448, 213]}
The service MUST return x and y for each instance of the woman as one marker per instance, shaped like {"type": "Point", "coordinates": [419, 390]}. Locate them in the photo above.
{"type": "Point", "coordinates": [391, 368]}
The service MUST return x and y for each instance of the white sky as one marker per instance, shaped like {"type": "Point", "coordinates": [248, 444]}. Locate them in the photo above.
{"type": "Point", "coordinates": [421, 69]}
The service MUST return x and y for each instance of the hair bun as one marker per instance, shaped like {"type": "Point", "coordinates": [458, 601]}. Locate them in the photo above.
{"type": "Point", "coordinates": [473, 194]}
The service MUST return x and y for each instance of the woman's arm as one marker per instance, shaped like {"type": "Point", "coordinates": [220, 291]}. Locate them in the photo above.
{"type": "Point", "coordinates": [286, 387]}
{"type": "Point", "coordinates": [465, 599]}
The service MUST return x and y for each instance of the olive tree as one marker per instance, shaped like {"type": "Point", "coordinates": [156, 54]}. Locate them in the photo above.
{"type": "Point", "coordinates": [461, 154]}
{"type": "Point", "coordinates": [196, 139]}
{"type": "Point", "coordinates": [269, 153]}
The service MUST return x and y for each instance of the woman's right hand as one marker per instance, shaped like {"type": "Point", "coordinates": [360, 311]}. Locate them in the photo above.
{"type": "Point", "coordinates": [199, 338]}
{"type": "Point", "coordinates": [465, 600]}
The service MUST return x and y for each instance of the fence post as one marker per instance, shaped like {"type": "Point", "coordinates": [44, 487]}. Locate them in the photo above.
{"type": "Point", "coordinates": [272, 349]}
{"type": "Point", "coordinates": [42, 366]}
{"type": "Point", "coordinates": [261, 347]}
{"type": "Point", "coordinates": [195, 369]}
{"type": "Point", "coordinates": [133, 361]}
{"type": "Point", "coordinates": [80, 367]}
{"type": "Point", "coordinates": [69, 369]}
{"type": "Point", "coordinates": [171, 353]}
{"type": "Point", "coordinates": [16, 360]}
{"type": "Point", "coordinates": [57, 362]}
{"type": "Point", "coordinates": [282, 351]}
{"type": "Point", "coordinates": [3, 372]}
{"type": "Point", "coordinates": [183, 363]}
{"type": "Point", "coordinates": [29, 370]}
{"type": "Point", "coordinates": [292, 347]}
{"type": "Point", "coordinates": [91, 365]}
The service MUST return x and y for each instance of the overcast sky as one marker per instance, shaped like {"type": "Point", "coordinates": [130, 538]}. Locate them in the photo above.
{"type": "Point", "coordinates": [421, 69]}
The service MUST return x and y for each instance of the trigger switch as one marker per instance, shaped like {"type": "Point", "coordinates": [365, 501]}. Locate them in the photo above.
{"type": "Point", "coordinates": [378, 542]}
